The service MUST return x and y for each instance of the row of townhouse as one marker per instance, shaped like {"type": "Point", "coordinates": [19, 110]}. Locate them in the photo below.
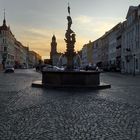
{"type": "Point", "coordinates": [119, 48]}
{"type": "Point", "coordinates": [34, 59]}
{"type": "Point", "coordinates": [12, 52]}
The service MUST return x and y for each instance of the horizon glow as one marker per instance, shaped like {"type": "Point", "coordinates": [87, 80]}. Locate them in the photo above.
{"type": "Point", "coordinates": [34, 22]}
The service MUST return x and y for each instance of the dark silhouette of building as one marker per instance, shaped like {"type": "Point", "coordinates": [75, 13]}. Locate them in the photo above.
{"type": "Point", "coordinates": [53, 47]}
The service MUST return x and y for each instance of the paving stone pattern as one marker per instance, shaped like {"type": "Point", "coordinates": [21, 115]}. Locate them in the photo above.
{"type": "Point", "coordinates": [69, 114]}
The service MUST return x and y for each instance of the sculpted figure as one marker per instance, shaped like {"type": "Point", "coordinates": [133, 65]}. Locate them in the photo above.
{"type": "Point", "coordinates": [69, 22]}
{"type": "Point", "coordinates": [73, 38]}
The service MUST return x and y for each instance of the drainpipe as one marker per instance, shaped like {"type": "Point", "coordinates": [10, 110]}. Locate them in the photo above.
{"type": "Point", "coordinates": [134, 73]}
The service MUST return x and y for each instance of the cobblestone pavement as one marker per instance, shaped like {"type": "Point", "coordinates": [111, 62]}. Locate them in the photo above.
{"type": "Point", "coordinates": [123, 87]}
{"type": "Point", "coordinates": [68, 114]}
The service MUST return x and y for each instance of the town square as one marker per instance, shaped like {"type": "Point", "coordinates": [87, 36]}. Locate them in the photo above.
{"type": "Point", "coordinates": [72, 73]}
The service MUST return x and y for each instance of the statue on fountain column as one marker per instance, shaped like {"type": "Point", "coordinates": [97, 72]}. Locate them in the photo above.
{"type": "Point", "coordinates": [69, 22]}
{"type": "Point", "coordinates": [68, 9]}
{"type": "Point", "coordinates": [70, 41]}
{"type": "Point", "coordinates": [70, 35]}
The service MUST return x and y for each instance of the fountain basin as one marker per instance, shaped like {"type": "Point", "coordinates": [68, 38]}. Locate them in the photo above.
{"type": "Point", "coordinates": [88, 79]}
{"type": "Point", "coordinates": [70, 78]}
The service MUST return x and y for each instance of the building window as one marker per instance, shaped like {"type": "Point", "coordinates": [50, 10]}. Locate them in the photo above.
{"type": "Point", "coordinates": [137, 44]}
{"type": "Point", "coordinates": [4, 40]}
{"type": "Point", "coordinates": [136, 63]}
{"type": "Point", "coordinates": [123, 65]}
{"type": "Point", "coordinates": [5, 49]}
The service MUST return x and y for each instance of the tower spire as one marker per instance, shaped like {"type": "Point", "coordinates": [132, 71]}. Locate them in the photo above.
{"type": "Point", "coordinates": [4, 21]}
{"type": "Point", "coordinates": [4, 13]}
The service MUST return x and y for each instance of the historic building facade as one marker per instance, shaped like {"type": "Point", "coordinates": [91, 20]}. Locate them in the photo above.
{"type": "Point", "coordinates": [13, 52]}
{"type": "Point", "coordinates": [104, 50]}
{"type": "Point", "coordinates": [119, 48]}
{"type": "Point", "coordinates": [34, 59]}
{"type": "Point", "coordinates": [84, 56]}
{"type": "Point", "coordinates": [131, 41]}
{"type": "Point", "coordinates": [7, 45]}
{"type": "Point", "coordinates": [112, 48]}
{"type": "Point", "coordinates": [21, 55]}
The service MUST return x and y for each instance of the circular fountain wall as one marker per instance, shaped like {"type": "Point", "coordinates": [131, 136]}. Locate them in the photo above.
{"type": "Point", "coordinates": [70, 78]}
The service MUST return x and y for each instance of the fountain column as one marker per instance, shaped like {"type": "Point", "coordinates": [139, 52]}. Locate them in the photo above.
{"type": "Point", "coordinates": [70, 41]}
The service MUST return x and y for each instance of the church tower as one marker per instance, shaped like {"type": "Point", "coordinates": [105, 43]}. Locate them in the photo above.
{"type": "Point", "coordinates": [53, 47]}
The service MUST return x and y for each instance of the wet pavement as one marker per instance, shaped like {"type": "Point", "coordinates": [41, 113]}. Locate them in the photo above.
{"type": "Point", "coordinates": [28, 113]}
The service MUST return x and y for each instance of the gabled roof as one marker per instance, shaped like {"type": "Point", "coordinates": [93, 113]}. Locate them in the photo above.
{"type": "Point", "coordinates": [130, 10]}
{"type": "Point", "coordinates": [3, 27]}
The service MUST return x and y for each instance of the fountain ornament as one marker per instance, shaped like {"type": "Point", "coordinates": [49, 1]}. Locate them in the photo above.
{"type": "Point", "coordinates": [69, 77]}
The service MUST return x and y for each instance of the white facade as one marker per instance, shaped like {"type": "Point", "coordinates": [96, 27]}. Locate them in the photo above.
{"type": "Point", "coordinates": [112, 42]}
{"type": "Point", "coordinates": [104, 51]}
{"type": "Point", "coordinates": [112, 49]}
{"type": "Point", "coordinates": [6, 45]}
{"type": "Point", "coordinates": [21, 54]}
{"type": "Point", "coordinates": [12, 52]}
{"type": "Point", "coordinates": [120, 46]}
{"type": "Point", "coordinates": [95, 53]}
{"type": "Point", "coordinates": [131, 42]}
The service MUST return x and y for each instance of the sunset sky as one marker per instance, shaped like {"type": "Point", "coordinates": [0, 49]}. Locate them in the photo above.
{"type": "Point", "coordinates": [33, 22]}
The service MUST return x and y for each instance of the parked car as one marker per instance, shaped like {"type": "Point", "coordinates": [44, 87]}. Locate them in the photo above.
{"type": "Point", "coordinates": [55, 68]}
{"type": "Point", "coordinates": [9, 69]}
{"type": "Point", "coordinates": [88, 67]}
{"type": "Point", "coordinates": [47, 68]}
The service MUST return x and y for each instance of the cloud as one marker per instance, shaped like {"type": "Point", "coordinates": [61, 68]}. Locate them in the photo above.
{"type": "Point", "coordinates": [39, 39]}
{"type": "Point", "coordinates": [86, 28]}
{"type": "Point", "coordinates": [83, 19]}
{"type": "Point", "coordinates": [94, 27]}
{"type": "Point", "coordinates": [36, 33]}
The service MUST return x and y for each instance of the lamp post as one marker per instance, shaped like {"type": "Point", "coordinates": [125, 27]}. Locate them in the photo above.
{"type": "Point", "coordinates": [134, 65]}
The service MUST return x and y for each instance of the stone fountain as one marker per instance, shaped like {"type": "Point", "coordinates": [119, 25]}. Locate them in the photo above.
{"type": "Point", "coordinates": [69, 77]}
